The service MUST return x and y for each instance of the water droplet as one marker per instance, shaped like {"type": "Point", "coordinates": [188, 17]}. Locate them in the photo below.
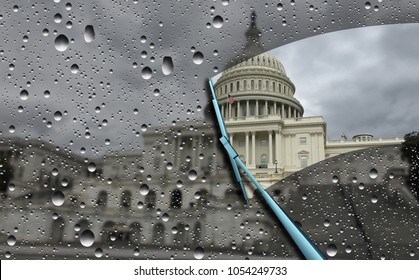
{"type": "Point", "coordinates": [61, 43]}
{"type": "Point", "coordinates": [74, 68]}
{"type": "Point", "coordinates": [87, 238]}
{"type": "Point", "coordinates": [335, 179]}
{"type": "Point", "coordinates": [167, 66]}
{"type": "Point", "coordinates": [225, 2]}
{"type": "Point", "coordinates": [373, 173]}
{"type": "Point", "coordinates": [12, 187]}
{"type": "Point", "coordinates": [367, 5]}
{"type": "Point", "coordinates": [11, 240]}
{"type": "Point", "coordinates": [89, 33]}
{"type": "Point", "coordinates": [326, 223]}
{"type": "Point", "coordinates": [12, 129]}
{"type": "Point", "coordinates": [348, 249]}
{"type": "Point", "coordinates": [47, 94]}
{"type": "Point", "coordinates": [58, 18]}
{"type": "Point", "coordinates": [140, 205]}
{"type": "Point", "coordinates": [58, 198]}
{"type": "Point", "coordinates": [146, 73]}
{"type": "Point", "coordinates": [8, 255]}
{"type": "Point", "coordinates": [98, 253]}
{"type": "Point", "coordinates": [24, 94]}
{"type": "Point", "coordinates": [144, 189]}
{"type": "Point", "coordinates": [45, 32]}
{"type": "Point", "coordinates": [331, 250]}
{"type": "Point", "coordinates": [217, 22]}
{"type": "Point", "coordinates": [165, 217]}
{"type": "Point", "coordinates": [136, 252]}
{"type": "Point", "coordinates": [169, 166]}
{"type": "Point", "coordinates": [179, 184]}
{"type": "Point", "coordinates": [91, 167]}
{"type": "Point", "coordinates": [143, 127]}
{"type": "Point", "coordinates": [279, 7]}
{"type": "Point", "coordinates": [192, 175]}
{"type": "Point", "coordinates": [361, 186]}
{"type": "Point", "coordinates": [374, 199]}
{"type": "Point", "coordinates": [198, 253]}
{"type": "Point", "coordinates": [198, 58]}
{"type": "Point", "coordinates": [58, 116]}
{"type": "Point", "coordinates": [354, 180]}
{"type": "Point", "coordinates": [391, 176]}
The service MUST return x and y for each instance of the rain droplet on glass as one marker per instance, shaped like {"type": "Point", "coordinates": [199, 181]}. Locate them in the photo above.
{"type": "Point", "coordinates": [198, 58]}
{"type": "Point", "coordinates": [87, 238]}
{"type": "Point", "coordinates": [91, 167]}
{"type": "Point", "coordinates": [331, 250]}
{"type": "Point", "coordinates": [198, 253]}
{"type": "Point", "coordinates": [58, 198]}
{"type": "Point", "coordinates": [146, 73]}
{"type": "Point", "coordinates": [24, 94]}
{"type": "Point", "coordinates": [192, 175]}
{"type": "Point", "coordinates": [167, 66]}
{"type": "Point", "coordinates": [11, 240]}
{"type": "Point", "coordinates": [89, 33]}
{"type": "Point", "coordinates": [58, 116]}
{"type": "Point", "coordinates": [144, 189]}
{"type": "Point", "coordinates": [61, 43]}
{"type": "Point", "coordinates": [217, 22]}
{"type": "Point", "coordinates": [373, 173]}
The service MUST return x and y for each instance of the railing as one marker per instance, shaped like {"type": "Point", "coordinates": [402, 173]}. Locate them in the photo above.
{"type": "Point", "coordinates": [389, 139]}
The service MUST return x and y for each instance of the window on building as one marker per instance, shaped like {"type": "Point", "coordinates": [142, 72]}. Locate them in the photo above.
{"type": "Point", "coordinates": [231, 87]}
{"type": "Point", "coordinates": [237, 86]}
{"type": "Point", "coordinates": [260, 84]}
{"type": "Point", "coordinates": [263, 161]}
{"type": "Point", "coordinates": [176, 199]}
{"type": "Point", "coordinates": [242, 143]}
{"type": "Point", "coordinates": [225, 89]}
{"type": "Point", "coordinates": [252, 84]}
{"type": "Point", "coordinates": [126, 199]}
{"type": "Point", "coordinates": [303, 140]}
{"type": "Point", "coordinates": [252, 109]}
{"type": "Point", "coordinates": [263, 142]}
{"type": "Point", "coordinates": [243, 110]}
{"type": "Point", "coordinates": [245, 85]}
{"type": "Point", "coordinates": [304, 161]}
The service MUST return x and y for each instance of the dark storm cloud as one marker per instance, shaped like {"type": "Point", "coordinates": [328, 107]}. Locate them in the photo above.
{"type": "Point", "coordinates": [360, 80]}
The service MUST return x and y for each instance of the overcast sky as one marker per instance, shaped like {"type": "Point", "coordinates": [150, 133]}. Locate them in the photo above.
{"type": "Point", "coordinates": [360, 80]}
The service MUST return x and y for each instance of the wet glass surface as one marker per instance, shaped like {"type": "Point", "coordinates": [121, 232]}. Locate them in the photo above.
{"type": "Point", "coordinates": [108, 146]}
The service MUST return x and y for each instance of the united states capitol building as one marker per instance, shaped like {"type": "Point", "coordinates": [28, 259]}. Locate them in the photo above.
{"type": "Point", "coordinates": [175, 194]}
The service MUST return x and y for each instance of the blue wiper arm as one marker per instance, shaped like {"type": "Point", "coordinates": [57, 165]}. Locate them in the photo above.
{"type": "Point", "coordinates": [224, 134]}
{"type": "Point", "coordinates": [303, 242]}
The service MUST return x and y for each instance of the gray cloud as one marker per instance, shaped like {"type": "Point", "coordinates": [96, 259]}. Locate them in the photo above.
{"type": "Point", "coordinates": [360, 80]}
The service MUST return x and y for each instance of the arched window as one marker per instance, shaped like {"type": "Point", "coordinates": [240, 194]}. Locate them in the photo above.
{"type": "Point", "coordinates": [245, 85]}
{"type": "Point", "coordinates": [259, 84]}
{"type": "Point", "coordinates": [136, 232]}
{"type": "Point", "coordinates": [57, 230]}
{"type": "Point", "coordinates": [150, 199]}
{"type": "Point", "coordinates": [225, 89]}
{"type": "Point", "coordinates": [102, 200]}
{"type": "Point", "coordinates": [273, 87]}
{"type": "Point", "coordinates": [176, 199]}
{"type": "Point", "coordinates": [231, 87]}
{"type": "Point", "coordinates": [126, 199]}
{"type": "Point", "coordinates": [252, 84]}
{"type": "Point", "coordinates": [267, 85]}
{"type": "Point", "coordinates": [158, 234]}
{"type": "Point", "coordinates": [237, 86]}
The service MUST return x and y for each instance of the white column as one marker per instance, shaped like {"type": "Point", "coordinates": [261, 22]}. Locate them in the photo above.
{"type": "Point", "coordinates": [247, 148]}
{"type": "Point", "coordinates": [231, 139]}
{"type": "Point", "coordinates": [253, 149]}
{"type": "Point", "coordinates": [270, 162]}
{"type": "Point", "coordinates": [266, 107]}
{"type": "Point", "coordinates": [283, 111]}
{"type": "Point", "coordinates": [289, 111]}
{"type": "Point", "coordinates": [247, 108]}
{"type": "Point", "coordinates": [275, 113]}
{"type": "Point", "coordinates": [277, 147]}
{"type": "Point", "coordinates": [238, 108]}
{"type": "Point", "coordinates": [257, 108]}
{"type": "Point", "coordinates": [229, 110]}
